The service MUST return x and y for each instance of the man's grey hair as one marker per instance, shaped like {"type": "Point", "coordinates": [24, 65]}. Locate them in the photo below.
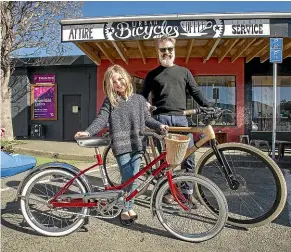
{"type": "Point", "coordinates": [166, 38]}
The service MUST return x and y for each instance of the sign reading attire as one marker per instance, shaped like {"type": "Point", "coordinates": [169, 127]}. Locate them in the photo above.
{"type": "Point", "coordinates": [143, 30]}
{"type": "Point", "coordinates": [43, 102]}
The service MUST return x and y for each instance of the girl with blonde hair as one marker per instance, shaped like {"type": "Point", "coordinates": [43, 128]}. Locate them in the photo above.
{"type": "Point", "coordinates": [127, 115]}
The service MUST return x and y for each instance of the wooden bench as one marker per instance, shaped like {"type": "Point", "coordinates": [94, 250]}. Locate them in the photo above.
{"type": "Point", "coordinates": [281, 148]}
{"type": "Point", "coordinates": [259, 142]}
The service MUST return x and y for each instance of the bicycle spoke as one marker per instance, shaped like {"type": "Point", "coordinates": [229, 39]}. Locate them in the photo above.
{"type": "Point", "coordinates": [45, 218]}
{"type": "Point", "coordinates": [194, 223]}
{"type": "Point", "coordinates": [257, 189]}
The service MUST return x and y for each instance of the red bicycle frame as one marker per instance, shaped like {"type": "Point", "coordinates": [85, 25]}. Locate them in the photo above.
{"type": "Point", "coordinates": [80, 203]}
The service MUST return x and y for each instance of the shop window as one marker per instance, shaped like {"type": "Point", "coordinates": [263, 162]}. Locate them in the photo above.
{"type": "Point", "coordinates": [137, 84]}
{"type": "Point", "coordinates": [262, 103]}
{"type": "Point", "coordinates": [220, 91]}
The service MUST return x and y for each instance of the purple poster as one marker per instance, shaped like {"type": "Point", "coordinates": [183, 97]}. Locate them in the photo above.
{"type": "Point", "coordinates": [44, 78]}
{"type": "Point", "coordinates": [44, 102]}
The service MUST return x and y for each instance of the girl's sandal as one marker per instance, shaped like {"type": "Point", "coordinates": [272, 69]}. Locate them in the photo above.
{"type": "Point", "coordinates": [126, 222]}
{"type": "Point", "coordinates": [133, 215]}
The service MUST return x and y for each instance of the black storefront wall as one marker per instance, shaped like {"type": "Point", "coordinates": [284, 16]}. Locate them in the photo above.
{"type": "Point", "coordinates": [20, 95]}
{"type": "Point", "coordinates": [72, 82]}
{"type": "Point", "coordinates": [255, 68]}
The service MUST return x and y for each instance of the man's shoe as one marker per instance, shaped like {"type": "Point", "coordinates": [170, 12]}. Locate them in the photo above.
{"type": "Point", "coordinates": [190, 199]}
{"type": "Point", "coordinates": [169, 199]}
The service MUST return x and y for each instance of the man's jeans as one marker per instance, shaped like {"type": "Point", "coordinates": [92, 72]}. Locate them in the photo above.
{"type": "Point", "coordinates": [129, 165]}
{"type": "Point", "coordinates": [189, 163]}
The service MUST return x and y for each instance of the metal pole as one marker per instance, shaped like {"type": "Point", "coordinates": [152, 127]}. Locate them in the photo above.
{"type": "Point", "coordinates": [274, 108]}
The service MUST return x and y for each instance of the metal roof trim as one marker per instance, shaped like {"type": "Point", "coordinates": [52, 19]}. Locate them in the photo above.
{"type": "Point", "coordinates": [242, 15]}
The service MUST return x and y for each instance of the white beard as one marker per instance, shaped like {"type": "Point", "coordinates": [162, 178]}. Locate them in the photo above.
{"type": "Point", "coordinates": [167, 62]}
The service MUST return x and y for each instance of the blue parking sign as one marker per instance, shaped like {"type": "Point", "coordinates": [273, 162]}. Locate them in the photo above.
{"type": "Point", "coordinates": [276, 43]}
{"type": "Point", "coordinates": [276, 47]}
{"type": "Point", "coordinates": [276, 56]}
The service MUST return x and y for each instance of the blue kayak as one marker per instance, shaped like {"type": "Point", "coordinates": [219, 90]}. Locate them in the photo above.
{"type": "Point", "coordinates": [12, 164]}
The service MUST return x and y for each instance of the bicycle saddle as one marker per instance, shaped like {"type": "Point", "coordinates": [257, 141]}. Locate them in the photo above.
{"type": "Point", "coordinates": [93, 142]}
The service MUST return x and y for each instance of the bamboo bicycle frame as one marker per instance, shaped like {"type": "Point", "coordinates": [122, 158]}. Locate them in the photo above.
{"type": "Point", "coordinates": [209, 135]}
{"type": "Point", "coordinates": [206, 130]}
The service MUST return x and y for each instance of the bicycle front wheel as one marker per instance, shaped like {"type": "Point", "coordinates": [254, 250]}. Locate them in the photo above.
{"type": "Point", "coordinates": [35, 197]}
{"type": "Point", "coordinates": [262, 191]}
{"type": "Point", "coordinates": [197, 223]}
{"type": "Point", "coordinates": [112, 170]}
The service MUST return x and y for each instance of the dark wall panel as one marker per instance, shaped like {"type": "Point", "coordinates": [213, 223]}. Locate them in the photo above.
{"type": "Point", "coordinates": [70, 80]}
{"type": "Point", "coordinates": [20, 102]}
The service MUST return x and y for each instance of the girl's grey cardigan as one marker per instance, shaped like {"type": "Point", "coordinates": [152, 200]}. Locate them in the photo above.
{"type": "Point", "coordinates": [125, 123]}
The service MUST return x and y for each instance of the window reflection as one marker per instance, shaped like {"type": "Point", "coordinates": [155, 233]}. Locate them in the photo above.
{"type": "Point", "coordinates": [262, 103]}
{"type": "Point", "coordinates": [220, 92]}
{"type": "Point", "coordinates": [137, 84]}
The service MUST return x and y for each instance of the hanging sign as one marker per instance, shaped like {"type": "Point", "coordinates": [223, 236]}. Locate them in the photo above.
{"type": "Point", "coordinates": [43, 78]}
{"type": "Point", "coordinates": [143, 30]}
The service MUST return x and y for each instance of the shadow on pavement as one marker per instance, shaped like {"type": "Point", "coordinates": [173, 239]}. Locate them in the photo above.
{"type": "Point", "coordinates": [11, 217]}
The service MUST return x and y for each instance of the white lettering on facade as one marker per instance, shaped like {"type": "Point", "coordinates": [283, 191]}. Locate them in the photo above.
{"type": "Point", "coordinates": [247, 29]}
{"type": "Point", "coordinates": [80, 33]}
{"type": "Point", "coordinates": [145, 30]}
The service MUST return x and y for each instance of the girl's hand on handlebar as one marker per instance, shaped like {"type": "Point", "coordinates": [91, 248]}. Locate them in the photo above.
{"type": "Point", "coordinates": [164, 128]}
{"type": "Point", "coordinates": [81, 134]}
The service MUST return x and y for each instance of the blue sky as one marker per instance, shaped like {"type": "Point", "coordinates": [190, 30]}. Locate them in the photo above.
{"type": "Point", "coordinates": [124, 8]}
{"type": "Point", "coordinates": [119, 8]}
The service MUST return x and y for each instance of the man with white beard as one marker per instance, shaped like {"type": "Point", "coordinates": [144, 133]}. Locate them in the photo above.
{"type": "Point", "coordinates": [168, 84]}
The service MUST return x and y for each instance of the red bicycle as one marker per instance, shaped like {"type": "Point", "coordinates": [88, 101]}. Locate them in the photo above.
{"type": "Point", "coordinates": [56, 198]}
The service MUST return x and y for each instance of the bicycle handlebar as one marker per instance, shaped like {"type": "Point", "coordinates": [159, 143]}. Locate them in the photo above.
{"type": "Point", "coordinates": [151, 133]}
{"type": "Point", "coordinates": [210, 114]}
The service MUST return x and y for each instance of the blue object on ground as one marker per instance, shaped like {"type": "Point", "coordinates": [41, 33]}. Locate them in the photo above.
{"type": "Point", "coordinates": [12, 164]}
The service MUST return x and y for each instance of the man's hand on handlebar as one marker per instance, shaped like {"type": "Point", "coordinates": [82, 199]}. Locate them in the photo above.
{"type": "Point", "coordinates": [206, 110]}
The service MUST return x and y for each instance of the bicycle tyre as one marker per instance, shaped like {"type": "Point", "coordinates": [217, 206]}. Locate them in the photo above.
{"type": "Point", "coordinates": [272, 170]}
{"type": "Point", "coordinates": [217, 196]}
{"type": "Point", "coordinates": [112, 170]}
{"type": "Point", "coordinates": [34, 220]}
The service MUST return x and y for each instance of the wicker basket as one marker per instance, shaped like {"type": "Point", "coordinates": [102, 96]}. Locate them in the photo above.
{"type": "Point", "coordinates": [176, 147]}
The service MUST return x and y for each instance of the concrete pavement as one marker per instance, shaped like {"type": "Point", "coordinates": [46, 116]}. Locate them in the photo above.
{"type": "Point", "coordinates": [146, 235]}
{"type": "Point", "coordinates": [58, 150]}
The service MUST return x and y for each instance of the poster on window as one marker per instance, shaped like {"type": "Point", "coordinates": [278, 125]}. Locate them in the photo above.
{"type": "Point", "coordinates": [43, 102]}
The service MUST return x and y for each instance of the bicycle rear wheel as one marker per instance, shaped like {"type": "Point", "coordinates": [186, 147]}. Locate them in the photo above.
{"type": "Point", "coordinates": [112, 170]}
{"type": "Point", "coordinates": [36, 210]}
{"type": "Point", "coordinates": [197, 223]}
{"type": "Point", "coordinates": [262, 191]}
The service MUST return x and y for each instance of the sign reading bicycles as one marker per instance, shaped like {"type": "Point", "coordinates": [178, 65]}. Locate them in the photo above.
{"type": "Point", "coordinates": [143, 30]}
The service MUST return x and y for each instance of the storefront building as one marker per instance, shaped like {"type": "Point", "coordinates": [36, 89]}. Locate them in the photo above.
{"type": "Point", "coordinates": [228, 54]}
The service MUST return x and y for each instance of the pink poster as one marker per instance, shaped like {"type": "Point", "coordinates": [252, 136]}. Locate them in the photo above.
{"type": "Point", "coordinates": [44, 102]}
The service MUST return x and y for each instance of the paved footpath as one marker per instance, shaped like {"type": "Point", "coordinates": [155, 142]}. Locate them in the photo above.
{"type": "Point", "coordinates": [146, 235]}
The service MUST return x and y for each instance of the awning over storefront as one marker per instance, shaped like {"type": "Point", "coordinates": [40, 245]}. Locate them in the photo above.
{"type": "Point", "coordinates": [220, 35]}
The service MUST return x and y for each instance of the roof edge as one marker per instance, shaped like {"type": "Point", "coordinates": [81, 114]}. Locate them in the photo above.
{"type": "Point", "coordinates": [241, 15]}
